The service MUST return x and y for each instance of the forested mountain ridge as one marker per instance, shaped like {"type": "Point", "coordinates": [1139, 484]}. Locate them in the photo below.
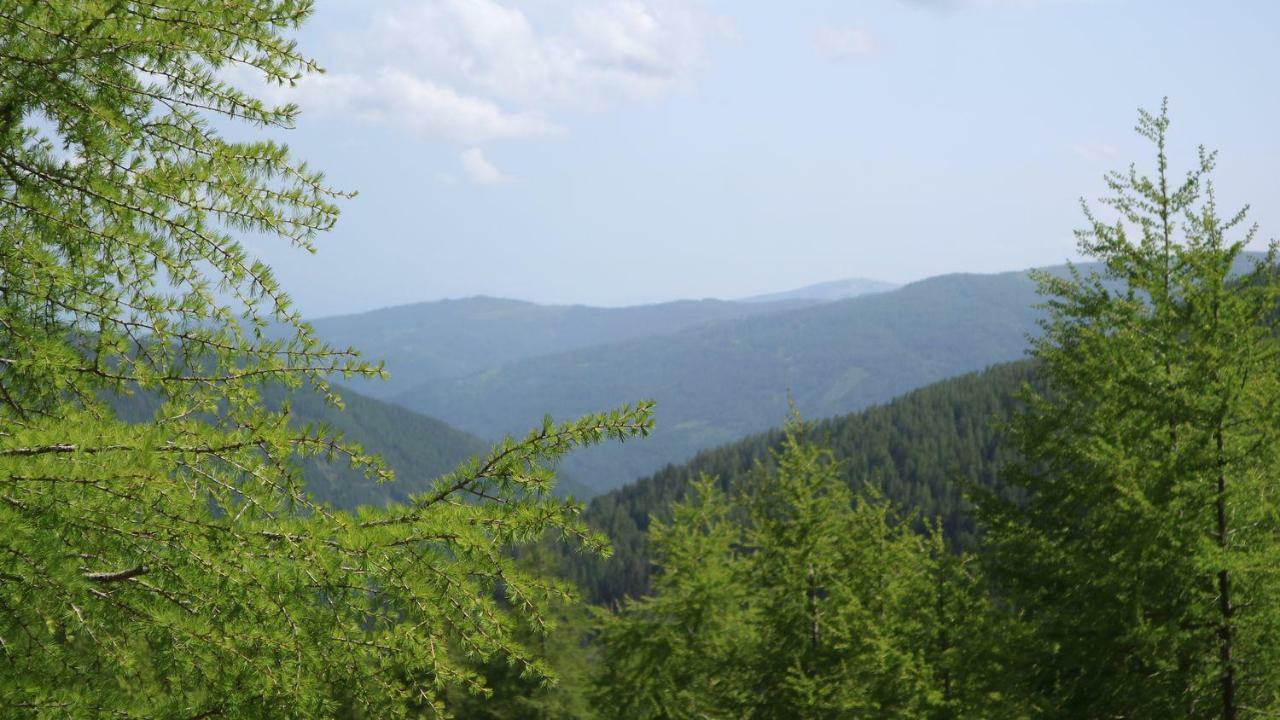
{"type": "Point", "coordinates": [919, 450]}
{"type": "Point", "coordinates": [446, 339]}
{"type": "Point", "coordinates": [722, 381]}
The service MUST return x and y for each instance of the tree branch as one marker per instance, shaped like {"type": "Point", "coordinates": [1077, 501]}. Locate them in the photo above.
{"type": "Point", "coordinates": [118, 576]}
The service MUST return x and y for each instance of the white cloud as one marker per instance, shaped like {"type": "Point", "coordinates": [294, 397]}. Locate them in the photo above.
{"type": "Point", "coordinates": [473, 71]}
{"type": "Point", "coordinates": [479, 170]}
{"type": "Point", "coordinates": [841, 42]}
{"type": "Point", "coordinates": [401, 99]}
{"type": "Point", "coordinates": [571, 52]}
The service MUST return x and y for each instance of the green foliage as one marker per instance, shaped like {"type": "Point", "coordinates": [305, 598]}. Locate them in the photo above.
{"type": "Point", "coordinates": [683, 651]}
{"type": "Point", "coordinates": [1144, 556]}
{"type": "Point", "coordinates": [920, 451]}
{"type": "Point", "coordinates": [796, 597]}
{"type": "Point", "coordinates": [176, 567]}
{"type": "Point", "coordinates": [842, 596]}
{"type": "Point", "coordinates": [415, 448]}
{"type": "Point", "coordinates": [560, 638]}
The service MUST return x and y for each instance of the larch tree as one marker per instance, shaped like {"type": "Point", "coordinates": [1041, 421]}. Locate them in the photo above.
{"type": "Point", "coordinates": [1145, 558]}
{"type": "Point", "coordinates": [682, 652]}
{"type": "Point", "coordinates": [843, 594]}
{"type": "Point", "coordinates": [177, 567]}
{"type": "Point", "coordinates": [795, 597]}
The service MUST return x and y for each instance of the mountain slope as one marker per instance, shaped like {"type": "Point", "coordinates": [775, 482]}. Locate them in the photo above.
{"type": "Point", "coordinates": [721, 381]}
{"type": "Point", "coordinates": [431, 341]}
{"type": "Point", "coordinates": [918, 449]}
{"type": "Point", "coordinates": [827, 291]}
{"type": "Point", "coordinates": [417, 447]}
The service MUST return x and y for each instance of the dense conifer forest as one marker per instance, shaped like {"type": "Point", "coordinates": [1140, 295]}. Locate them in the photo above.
{"type": "Point", "coordinates": [921, 451]}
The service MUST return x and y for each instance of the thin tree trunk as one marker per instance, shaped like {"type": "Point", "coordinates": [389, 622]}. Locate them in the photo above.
{"type": "Point", "coordinates": [944, 641]}
{"type": "Point", "coordinates": [814, 632]}
{"type": "Point", "coordinates": [1226, 629]}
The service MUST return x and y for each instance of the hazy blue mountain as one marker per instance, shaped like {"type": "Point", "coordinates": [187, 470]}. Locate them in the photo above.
{"type": "Point", "coordinates": [431, 341]}
{"type": "Point", "coordinates": [720, 381]}
{"type": "Point", "coordinates": [827, 291]}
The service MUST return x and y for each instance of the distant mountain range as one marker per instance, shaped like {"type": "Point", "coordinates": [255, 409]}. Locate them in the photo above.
{"type": "Point", "coordinates": [719, 370]}
{"type": "Point", "coordinates": [827, 291]}
{"type": "Point", "coordinates": [434, 342]}
{"type": "Point", "coordinates": [720, 380]}
{"type": "Point", "coordinates": [448, 339]}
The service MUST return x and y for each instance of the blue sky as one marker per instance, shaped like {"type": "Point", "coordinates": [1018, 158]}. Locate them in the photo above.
{"type": "Point", "coordinates": [626, 151]}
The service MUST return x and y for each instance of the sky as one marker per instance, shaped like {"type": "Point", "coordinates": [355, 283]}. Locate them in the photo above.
{"type": "Point", "coordinates": [617, 152]}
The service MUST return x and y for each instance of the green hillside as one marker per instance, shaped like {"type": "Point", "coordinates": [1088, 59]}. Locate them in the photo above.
{"type": "Point", "coordinates": [418, 448]}
{"type": "Point", "coordinates": [918, 449]}
{"type": "Point", "coordinates": [427, 342]}
{"type": "Point", "coordinates": [722, 381]}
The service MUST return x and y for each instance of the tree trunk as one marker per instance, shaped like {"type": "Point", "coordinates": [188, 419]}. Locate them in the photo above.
{"type": "Point", "coordinates": [1226, 631]}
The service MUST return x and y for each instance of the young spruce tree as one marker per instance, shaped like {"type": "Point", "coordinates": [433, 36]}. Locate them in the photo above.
{"type": "Point", "coordinates": [177, 568]}
{"type": "Point", "coordinates": [1146, 557]}
{"type": "Point", "coordinates": [682, 652]}
{"type": "Point", "coordinates": [794, 597]}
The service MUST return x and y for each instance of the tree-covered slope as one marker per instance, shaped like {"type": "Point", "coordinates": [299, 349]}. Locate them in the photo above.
{"type": "Point", "coordinates": [722, 381]}
{"type": "Point", "coordinates": [920, 450]}
{"type": "Point", "coordinates": [417, 447]}
{"type": "Point", "coordinates": [427, 342]}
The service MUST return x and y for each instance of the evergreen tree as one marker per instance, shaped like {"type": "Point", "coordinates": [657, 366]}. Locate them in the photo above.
{"type": "Point", "coordinates": [920, 451]}
{"type": "Point", "coordinates": [797, 598]}
{"type": "Point", "coordinates": [1144, 557]}
{"type": "Point", "coordinates": [681, 653]}
{"type": "Point", "coordinates": [176, 568]}
{"type": "Point", "coordinates": [843, 590]}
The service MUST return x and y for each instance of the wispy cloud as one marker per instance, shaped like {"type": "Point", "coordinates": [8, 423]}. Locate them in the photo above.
{"type": "Point", "coordinates": [400, 99]}
{"type": "Point", "coordinates": [472, 71]}
{"type": "Point", "coordinates": [479, 170]}
{"type": "Point", "coordinates": [841, 42]}
{"type": "Point", "coordinates": [1096, 151]}
{"type": "Point", "coordinates": [950, 5]}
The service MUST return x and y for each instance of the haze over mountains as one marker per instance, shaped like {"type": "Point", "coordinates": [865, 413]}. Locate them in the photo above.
{"type": "Point", "coordinates": [719, 370]}
{"type": "Point", "coordinates": [718, 381]}
{"type": "Point", "coordinates": [445, 339]}
{"type": "Point", "coordinates": [827, 291]}
{"type": "Point", "coordinates": [466, 372]}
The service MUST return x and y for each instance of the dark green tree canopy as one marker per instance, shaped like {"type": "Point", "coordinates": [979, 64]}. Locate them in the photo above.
{"type": "Point", "coordinates": [1144, 557]}
{"type": "Point", "coordinates": [792, 595]}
